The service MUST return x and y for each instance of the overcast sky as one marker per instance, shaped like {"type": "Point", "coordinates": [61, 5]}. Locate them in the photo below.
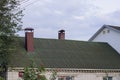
{"type": "Point", "coordinates": [79, 18]}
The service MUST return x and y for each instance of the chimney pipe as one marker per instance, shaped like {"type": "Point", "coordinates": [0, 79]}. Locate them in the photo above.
{"type": "Point", "coordinates": [29, 42]}
{"type": "Point", "coordinates": [61, 34]}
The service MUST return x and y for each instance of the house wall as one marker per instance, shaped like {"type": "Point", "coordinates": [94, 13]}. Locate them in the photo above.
{"type": "Point", "coordinates": [13, 75]}
{"type": "Point", "coordinates": [110, 36]}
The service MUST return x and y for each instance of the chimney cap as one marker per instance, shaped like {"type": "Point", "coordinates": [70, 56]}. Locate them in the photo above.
{"type": "Point", "coordinates": [61, 31]}
{"type": "Point", "coordinates": [28, 29]}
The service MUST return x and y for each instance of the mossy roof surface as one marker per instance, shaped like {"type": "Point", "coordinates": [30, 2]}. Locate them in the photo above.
{"type": "Point", "coordinates": [53, 53]}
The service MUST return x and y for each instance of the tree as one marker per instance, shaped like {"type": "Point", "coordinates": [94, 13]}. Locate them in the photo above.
{"type": "Point", "coordinates": [32, 73]}
{"type": "Point", "coordinates": [54, 75]}
{"type": "Point", "coordinates": [1, 78]}
{"type": "Point", "coordinates": [10, 23]}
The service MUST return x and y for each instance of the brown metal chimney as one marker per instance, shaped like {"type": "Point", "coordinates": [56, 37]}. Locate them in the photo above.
{"type": "Point", "coordinates": [29, 42]}
{"type": "Point", "coordinates": [61, 34]}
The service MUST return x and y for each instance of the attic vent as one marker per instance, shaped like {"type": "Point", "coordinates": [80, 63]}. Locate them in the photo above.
{"type": "Point", "coordinates": [108, 31]}
{"type": "Point", "coordinates": [103, 32]}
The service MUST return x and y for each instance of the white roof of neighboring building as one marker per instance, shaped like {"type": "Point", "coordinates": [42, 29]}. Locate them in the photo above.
{"type": "Point", "coordinates": [115, 28]}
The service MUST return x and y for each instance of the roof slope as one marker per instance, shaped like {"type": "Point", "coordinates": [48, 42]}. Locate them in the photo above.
{"type": "Point", "coordinates": [53, 53]}
{"type": "Point", "coordinates": [115, 27]}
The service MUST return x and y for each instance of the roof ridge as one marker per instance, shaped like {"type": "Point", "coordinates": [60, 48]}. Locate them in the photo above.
{"type": "Point", "coordinates": [66, 40]}
{"type": "Point", "coordinates": [69, 40]}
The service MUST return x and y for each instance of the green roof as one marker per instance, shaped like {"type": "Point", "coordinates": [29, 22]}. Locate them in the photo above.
{"type": "Point", "coordinates": [53, 53]}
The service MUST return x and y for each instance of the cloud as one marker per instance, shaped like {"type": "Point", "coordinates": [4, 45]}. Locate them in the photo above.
{"type": "Point", "coordinates": [106, 6]}
{"type": "Point", "coordinates": [80, 18]}
{"type": "Point", "coordinates": [57, 12]}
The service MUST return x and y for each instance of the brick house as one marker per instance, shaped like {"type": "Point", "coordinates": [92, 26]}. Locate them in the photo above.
{"type": "Point", "coordinates": [74, 60]}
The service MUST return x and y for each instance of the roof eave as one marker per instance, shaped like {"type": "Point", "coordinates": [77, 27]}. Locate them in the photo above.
{"type": "Point", "coordinates": [68, 69]}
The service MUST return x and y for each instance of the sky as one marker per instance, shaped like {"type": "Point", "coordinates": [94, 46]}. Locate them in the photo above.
{"type": "Point", "coordinates": [79, 18]}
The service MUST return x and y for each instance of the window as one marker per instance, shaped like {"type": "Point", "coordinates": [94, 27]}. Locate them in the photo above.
{"type": "Point", "coordinates": [61, 78]}
{"type": "Point", "coordinates": [66, 78]}
{"type": "Point", "coordinates": [107, 78]}
{"type": "Point", "coordinates": [69, 77]}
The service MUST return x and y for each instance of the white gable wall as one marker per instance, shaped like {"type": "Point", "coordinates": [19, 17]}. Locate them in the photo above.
{"type": "Point", "coordinates": [110, 36]}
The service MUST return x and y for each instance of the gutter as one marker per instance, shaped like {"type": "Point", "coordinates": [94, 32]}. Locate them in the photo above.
{"type": "Point", "coordinates": [71, 70]}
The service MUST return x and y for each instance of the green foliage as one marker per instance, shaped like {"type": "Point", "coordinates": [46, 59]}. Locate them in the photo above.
{"type": "Point", "coordinates": [2, 78]}
{"type": "Point", "coordinates": [53, 76]}
{"type": "Point", "coordinates": [10, 23]}
{"type": "Point", "coordinates": [32, 73]}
